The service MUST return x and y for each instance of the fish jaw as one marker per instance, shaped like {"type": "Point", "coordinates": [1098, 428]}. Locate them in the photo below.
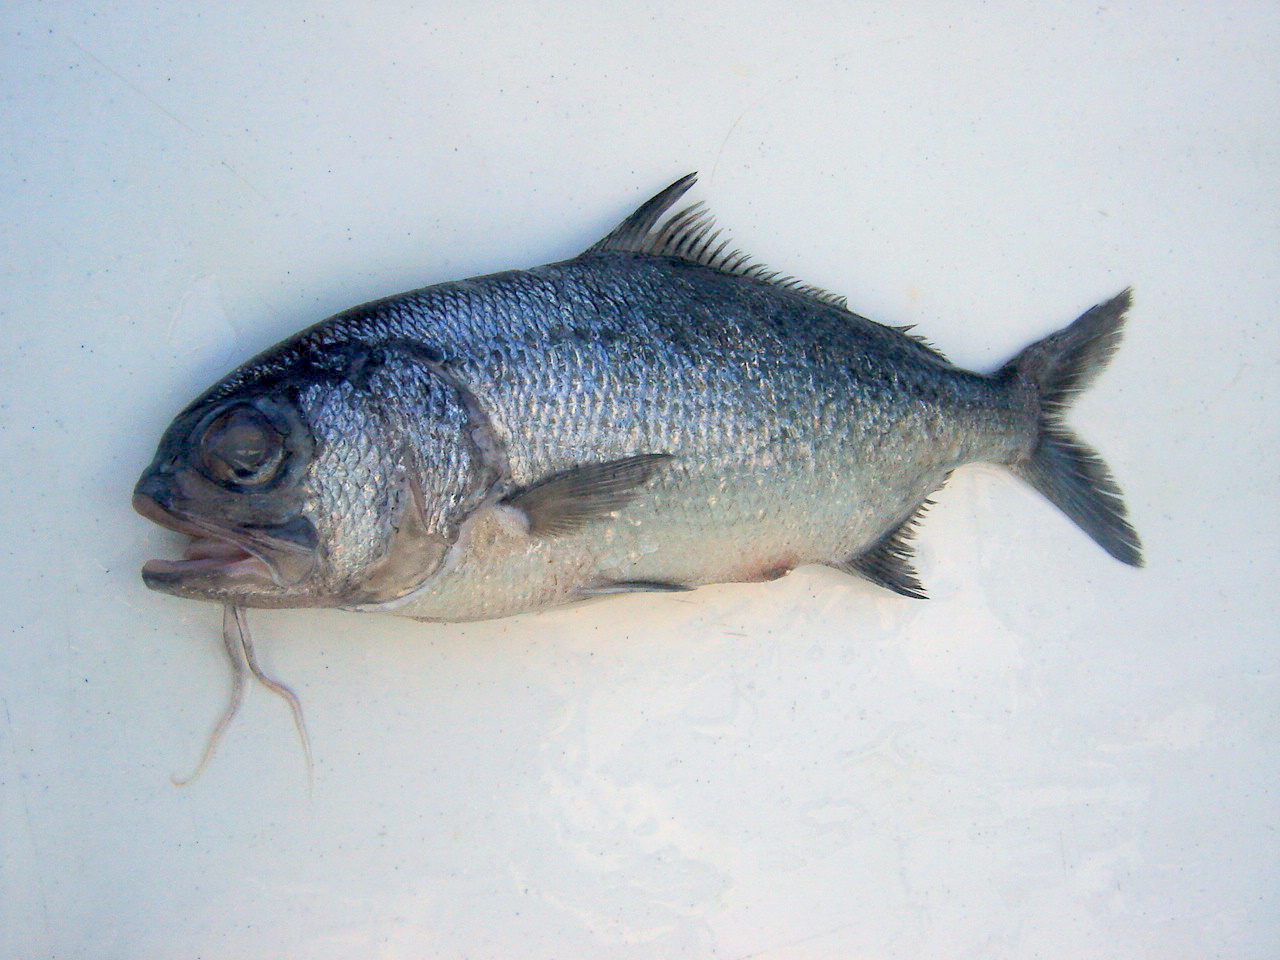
{"type": "Point", "coordinates": [225, 564]}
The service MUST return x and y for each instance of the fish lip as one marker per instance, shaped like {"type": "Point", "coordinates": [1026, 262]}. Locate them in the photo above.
{"type": "Point", "coordinates": [150, 508]}
{"type": "Point", "coordinates": [167, 575]}
{"type": "Point", "coordinates": [219, 557]}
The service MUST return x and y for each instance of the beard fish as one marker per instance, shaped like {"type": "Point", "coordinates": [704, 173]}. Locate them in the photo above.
{"type": "Point", "coordinates": [655, 414]}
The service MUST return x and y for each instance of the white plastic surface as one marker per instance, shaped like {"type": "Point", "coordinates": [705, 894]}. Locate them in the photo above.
{"type": "Point", "coordinates": [1056, 756]}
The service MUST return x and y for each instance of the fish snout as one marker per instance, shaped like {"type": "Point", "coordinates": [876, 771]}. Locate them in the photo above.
{"type": "Point", "coordinates": [153, 498]}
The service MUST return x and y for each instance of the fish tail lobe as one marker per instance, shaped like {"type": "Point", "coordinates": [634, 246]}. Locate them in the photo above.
{"type": "Point", "coordinates": [1058, 464]}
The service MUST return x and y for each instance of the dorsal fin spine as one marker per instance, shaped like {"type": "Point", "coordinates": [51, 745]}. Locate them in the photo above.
{"type": "Point", "coordinates": [634, 232]}
{"type": "Point", "coordinates": [690, 235]}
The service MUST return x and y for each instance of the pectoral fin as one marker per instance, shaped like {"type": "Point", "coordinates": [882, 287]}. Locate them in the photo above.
{"type": "Point", "coordinates": [568, 501]}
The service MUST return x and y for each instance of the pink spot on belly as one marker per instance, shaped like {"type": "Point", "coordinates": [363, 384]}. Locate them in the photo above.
{"type": "Point", "coordinates": [768, 569]}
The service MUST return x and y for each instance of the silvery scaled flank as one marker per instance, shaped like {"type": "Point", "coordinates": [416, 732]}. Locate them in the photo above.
{"type": "Point", "coordinates": [654, 414]}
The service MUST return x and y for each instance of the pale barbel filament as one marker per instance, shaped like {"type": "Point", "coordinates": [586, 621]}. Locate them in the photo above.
{"type": "Point", "coordinates": [238, 643]}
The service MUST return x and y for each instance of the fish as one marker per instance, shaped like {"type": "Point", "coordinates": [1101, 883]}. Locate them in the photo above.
{"type": "Point", "coordinates": [655, 414]}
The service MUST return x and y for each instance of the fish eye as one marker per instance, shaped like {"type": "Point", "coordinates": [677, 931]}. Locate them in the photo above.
{"type": "Point", "coordinates": [241, 447]}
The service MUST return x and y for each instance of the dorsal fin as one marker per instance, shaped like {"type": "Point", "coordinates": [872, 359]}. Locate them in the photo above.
{"type": "Point", "coordinates": [633, 233]}
{"type": "Point", "coordinates": [691, 235]}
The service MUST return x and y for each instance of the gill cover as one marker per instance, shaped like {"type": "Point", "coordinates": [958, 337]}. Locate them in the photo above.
{"type": "Point", "coordinates": [400, 462]}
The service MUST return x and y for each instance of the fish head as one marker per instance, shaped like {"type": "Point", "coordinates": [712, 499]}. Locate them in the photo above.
{"type": "Point", "coordinates": [314, 482]}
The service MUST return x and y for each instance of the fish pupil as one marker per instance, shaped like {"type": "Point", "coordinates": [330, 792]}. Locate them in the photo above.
{"type": "Point", "coordinates": [240, 446]}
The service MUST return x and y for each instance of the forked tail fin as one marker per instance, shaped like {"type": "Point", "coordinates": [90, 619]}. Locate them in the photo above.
{"type": "Point", "coordinates": [1059, 465]}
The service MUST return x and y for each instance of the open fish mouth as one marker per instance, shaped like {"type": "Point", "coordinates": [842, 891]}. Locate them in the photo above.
{"type": "Point", "coordinates": [210, 555]}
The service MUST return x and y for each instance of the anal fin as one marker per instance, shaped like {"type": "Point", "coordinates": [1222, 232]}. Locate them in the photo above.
{"type": "Point", "coordinates": [887, 562]}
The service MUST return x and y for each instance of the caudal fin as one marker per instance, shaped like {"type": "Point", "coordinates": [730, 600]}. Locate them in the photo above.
{"type": "Point", "coordinates": [1060, 465]}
